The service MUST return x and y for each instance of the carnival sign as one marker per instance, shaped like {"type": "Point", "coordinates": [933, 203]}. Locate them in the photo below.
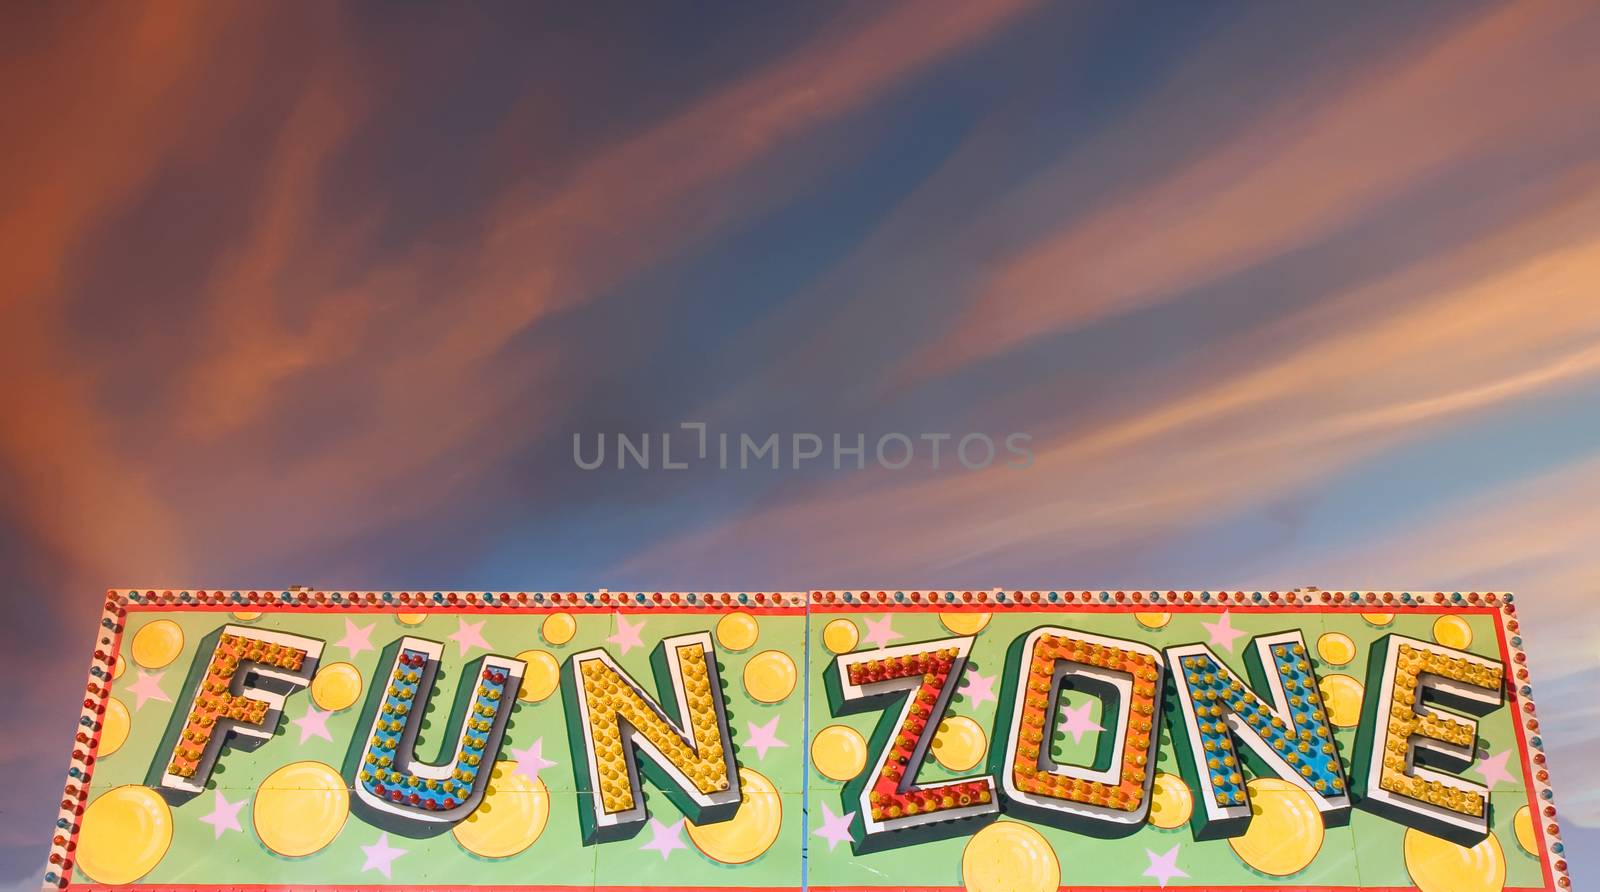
{"type": "Point", "coordinates": [831, 740]}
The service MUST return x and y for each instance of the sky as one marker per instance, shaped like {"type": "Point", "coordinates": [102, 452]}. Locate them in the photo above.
{"type": "Point", "coordinates": [1278, 294]}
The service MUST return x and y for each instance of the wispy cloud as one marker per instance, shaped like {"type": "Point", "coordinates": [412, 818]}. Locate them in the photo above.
{"type": "Point", "coordinates": [1386, 362]}
{"type": "Point", "coordinates": [119, 79]}
{"type": "Point", "coordinates": [542, 251]}
{"type": "Point", "coordinates": [290, 306]}
{"type": "Point", "coordinates": [1314, 164]}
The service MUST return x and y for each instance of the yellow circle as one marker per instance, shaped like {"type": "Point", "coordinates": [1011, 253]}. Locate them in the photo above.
{"type": "Point", "coordinates": [1522, 823]}
{"type": "Point", "coordinates": [511, 817]}
{"type": "Point", "coordinates": [1285, 830]}
{"type": "Point", "coordinates": [118, 666]}
{"type": "Point", "coordinates": [410, 619]}
{"type": "Point", "coordinates": [300, 808]}
{"type": "Point", "coordinates": [336, 686]}
{"type": "Point", "coordinates": [1336, 648]}
{"type": "Point", "coordinates": [125, 834]}
{"type": "Point", "coordinates": [1153, 620]}
{"type": "Point", "coordinates": [751, 830]}
{"type": "Point", "coordinates": [964, 623]}
{"type": "Point", "coordinates": [959, 743]}
{"type": "Point", "coordinates": [113, 728]}
{"type": "Point", "coordinates": [157, 644]}
{"type": "Point", "coordinates": [1009, 857]}
{"type": "Point", "coordinates": [1171, 803]}
{"type": "Point", "coordinates": [1342, 696]}
{"type": "Point", "coordinates": [1378, 619]}
{"type": "Point", "coordinates": [839, 752]}
{"type": "Point", "coordinates": [1452, 631]}
{"type": "Point", "coordinates": [769, 677]}
{"type": "Point", "coordinates": [559, 628]}
{"type": "Point", "coordinates": [246, 616]}
{"type": "Point", "coordinates": [840, 636]}
{"type": "Point", "coordinates": [540, 677]}
{"type": "Point", "coordinates": [737, 631]}
{"type": "Point", "coordinates": [1438, 865]}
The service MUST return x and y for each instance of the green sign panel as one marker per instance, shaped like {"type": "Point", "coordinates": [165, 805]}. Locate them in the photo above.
{"type": "Point", "coordinates": [825, 740]}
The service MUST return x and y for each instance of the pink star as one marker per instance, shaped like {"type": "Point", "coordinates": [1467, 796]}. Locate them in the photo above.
{"type": "Point", "coordinates": [627, 634]}
{"type": "Point", "coordinates": [313, 724]}
{"type": "Point", "coordinates": [224, 815]}
{"type": "Point", "coordinates": [356, 640]}
{"type": "Point", "coordinates": [530, 760]}
{"type": "Point", "coordinates": [380, 856]}
{"type": "Point", "coordinates": [1163, 867]}
{"type": "Point", "coordinates": [763, 737]}
{"type": "Point", "coordinates": [1075, 721]}
{"type": "Point", "coordinates": [835, 828]}
{"type": "Point", "coordinates": [664, 838]}
{"type": "Point", "coordinates": [469, 635]}
{"type": "Point", "coordinates": [978, 688]}
{"type": "Point", "coordinates": [880, 633]}
{"type": "Point", "coordinates": [1222, 632]}
{"type": "Point", "coordinates": [148, 687]}
{"type": "Point", "coordinates": [1494, 769]}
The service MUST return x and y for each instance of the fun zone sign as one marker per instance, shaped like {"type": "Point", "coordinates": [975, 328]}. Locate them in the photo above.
{"type": "Point", "coordinates": [1015, 741]}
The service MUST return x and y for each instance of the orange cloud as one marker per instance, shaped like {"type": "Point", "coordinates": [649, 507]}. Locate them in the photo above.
{"type": "Point", "coordinates": [635, 203]}
{"type": "Point", "coordinates": [617, 214]}
{"type": "Point", "coordinates": [1312, 166]}
{"type": "Point", "coordinates": [248, 346]}
{"type": "Point", "coordinates": [287, 308]}
{"type": "Point", "coordinates": [106, 101]}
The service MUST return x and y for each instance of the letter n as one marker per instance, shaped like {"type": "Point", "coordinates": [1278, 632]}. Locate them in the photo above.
{"type": "Point", "coordinates": [1285, 731]}
{"type": "Point", "coordinates": [688, 752]}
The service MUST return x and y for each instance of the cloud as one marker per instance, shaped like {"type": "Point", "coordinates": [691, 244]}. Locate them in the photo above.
{"type": "Point", "coordinates": [1388, 361]}
{"type": "Point", "coordinates": [425, 372]}
{"type": "Point", "coordinates": [308, 308]}
{"type": "Point", "coordinates": [1312, 165]}
{"type": "Point", "coordinates": [121, 77]}
{"type": "Point", "coordinates": [247, 347]}
{"type": "Point", "coordinates": [621, 210]}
